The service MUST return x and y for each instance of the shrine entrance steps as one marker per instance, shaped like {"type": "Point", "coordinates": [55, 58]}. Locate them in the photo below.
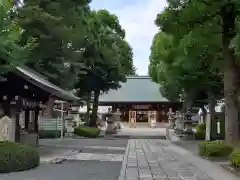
{"type": "Point", "coordinates": [141, 133]}
{"type": "Point", "coordinates": [146, 125]}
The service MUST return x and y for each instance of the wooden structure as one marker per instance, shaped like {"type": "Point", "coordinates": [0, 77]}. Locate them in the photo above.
{"type": "Point", "coordinates": [139, 99]}
{"type": "Point", "coordinates": [23, 93]}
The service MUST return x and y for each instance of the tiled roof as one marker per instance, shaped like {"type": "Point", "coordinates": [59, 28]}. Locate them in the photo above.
{"type": "Point", "coordinates": [135, 89]}
{"type": "Point", "coordinates": [42, 82]}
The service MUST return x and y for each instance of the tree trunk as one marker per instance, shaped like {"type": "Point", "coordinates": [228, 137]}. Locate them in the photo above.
{"type": "Point", "coordinates": [87, 115]}
{"type": "Point", "coordinates": [188, 101]}
{"type": "Point", "coordinates": [95, 109]}
{"type": "Point", "coordinates": [211, 105]}
{"type": "Point", "coordinates": [231, 108]}
{"type": "Point", "coordinates": [230, 79]}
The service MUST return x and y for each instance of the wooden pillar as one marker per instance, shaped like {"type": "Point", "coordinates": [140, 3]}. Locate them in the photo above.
{"type": "Point", "coordinates": [36, 126]}
{"type": "Point", "coordinates": [36, 120]}
{"type": "Point", "coordinates": [17, 127]}
{"type": "Point", "coordinates": [6, 108]}
{"type": "Point", "coordinates": [27, 114]}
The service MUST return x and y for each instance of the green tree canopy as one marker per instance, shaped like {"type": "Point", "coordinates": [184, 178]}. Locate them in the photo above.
{"type": "Point", "coordinates": [11, 53]}
{"type": "Point", "coordinates": [209, 30]}
{"type": "Point", "coordinates": [58, 36]}
{"type": "Point", "coordinates": [107, 55]}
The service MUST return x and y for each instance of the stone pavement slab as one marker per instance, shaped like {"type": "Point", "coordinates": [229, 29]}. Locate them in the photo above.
{"type": "Point", "coordinates": [162, 160]}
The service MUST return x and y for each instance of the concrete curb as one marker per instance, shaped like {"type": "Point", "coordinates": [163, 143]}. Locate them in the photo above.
{"type": "Point", "coordinates": [57, 159]}
{"type": "Point", "coordinates": [170, 135]}
{"type": "Point", "coordinates": [124, 163]}
{"type": "Point", "coordinates": [139, 137]}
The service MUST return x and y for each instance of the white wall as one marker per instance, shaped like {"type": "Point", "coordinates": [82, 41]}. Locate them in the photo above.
{"type": "Point", "coordinates": [101, 109]}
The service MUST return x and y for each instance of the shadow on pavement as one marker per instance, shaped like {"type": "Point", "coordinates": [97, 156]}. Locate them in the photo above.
{"type": "Point", "coordinates": [69, 170]}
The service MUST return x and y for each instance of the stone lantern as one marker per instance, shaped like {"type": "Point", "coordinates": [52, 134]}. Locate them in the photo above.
{"type": "Point", "coordinates": [179, 121]}
{"type": "Point", "coordinates": [110, 118]}
{"type": "Point", "coordinates": [117, 116]}
{"type": "Point", "coordinates": [170, 115]}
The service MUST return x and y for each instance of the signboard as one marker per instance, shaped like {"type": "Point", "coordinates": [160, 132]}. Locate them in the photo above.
{"type": "Point", "coordinates": [141, 106]}
{"type": "Point", "coordinates": [5, 129]}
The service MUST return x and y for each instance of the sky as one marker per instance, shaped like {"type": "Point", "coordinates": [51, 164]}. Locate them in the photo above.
{"type": "Point", "coordinates": [137, 18]}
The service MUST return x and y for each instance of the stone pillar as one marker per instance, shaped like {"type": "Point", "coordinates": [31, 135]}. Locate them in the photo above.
{"type": "Point", "coordinates": [208, 127]}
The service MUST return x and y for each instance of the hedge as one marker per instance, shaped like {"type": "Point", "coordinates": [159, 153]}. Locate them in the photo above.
{"type": "Point", "coordinates": [200, 131]}
{"type": "Point", "coordinates": [90, 132]}
{"type": "Point", "coordinates": [235, 158]}
{"type": "Point", "coordinates": [50, 134]}
{"type": "Point", "coordinates": [17, 157]}
{"type": "Point", "coordinates": [214, 149]}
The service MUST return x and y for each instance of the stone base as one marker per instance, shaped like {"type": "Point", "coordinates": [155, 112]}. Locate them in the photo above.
{"type": "Point", "coordinates": [110, 132]}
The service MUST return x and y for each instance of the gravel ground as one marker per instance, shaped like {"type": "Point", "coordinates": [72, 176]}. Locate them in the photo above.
{"type": "Point", "coordinates": [70, 170]}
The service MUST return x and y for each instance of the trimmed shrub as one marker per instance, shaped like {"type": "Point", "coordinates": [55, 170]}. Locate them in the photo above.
{"type": "Point", "coordinates": [235, 159]}
{"type": "Point", "coordinates": [90, 132]}
{"type": "Point", "coordinates": [17, 157]}
{"type": "Point", "coordinates": [200, 131]}
{"type": "Point", "coordinates": [50, 134]}
{"type": "Point", "coordinates": [214, 149]}
{"type": "Point", "coordinates": [201, 127]}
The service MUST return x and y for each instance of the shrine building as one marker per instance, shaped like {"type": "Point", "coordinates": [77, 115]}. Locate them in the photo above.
{"type": "Point", "coordinates": [139, 98]}
{"type": "Point", "coordinates": [23, 96]}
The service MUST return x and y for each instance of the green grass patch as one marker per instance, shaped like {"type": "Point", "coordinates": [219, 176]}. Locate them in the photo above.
{"type": "Point", "coordinates": [214, 149]}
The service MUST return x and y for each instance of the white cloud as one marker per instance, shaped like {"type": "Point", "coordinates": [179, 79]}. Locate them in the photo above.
{"type": "Point", "coordinates": [138, 21]}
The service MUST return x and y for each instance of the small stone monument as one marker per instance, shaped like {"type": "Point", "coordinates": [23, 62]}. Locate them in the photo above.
{"type": "Point", "coordinates": [6, 127]}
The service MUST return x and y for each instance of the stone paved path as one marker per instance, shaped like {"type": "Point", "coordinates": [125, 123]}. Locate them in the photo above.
{"type": "Point", "coordinates": [161, 160]}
